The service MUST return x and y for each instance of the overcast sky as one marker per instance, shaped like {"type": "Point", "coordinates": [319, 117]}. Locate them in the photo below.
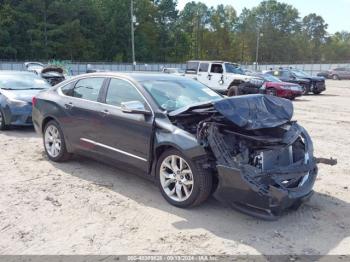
{"type": "Point", "coordinates": [335, 12]}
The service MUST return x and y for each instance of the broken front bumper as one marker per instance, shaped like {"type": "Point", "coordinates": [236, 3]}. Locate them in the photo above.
{"type": "Point", "coordinates": [239, 189]}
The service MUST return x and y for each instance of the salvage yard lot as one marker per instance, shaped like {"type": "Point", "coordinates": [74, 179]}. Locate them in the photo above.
{"type": "Point", "coordinates": [84, 207]}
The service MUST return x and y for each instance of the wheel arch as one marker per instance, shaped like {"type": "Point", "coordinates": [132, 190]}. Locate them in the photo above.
{"type": "Point", "coordinates": [49, 118]}
{"type": "Point", "coordinates": [236, 82]}
{"type": "Point", "coordinates": [46, 120]}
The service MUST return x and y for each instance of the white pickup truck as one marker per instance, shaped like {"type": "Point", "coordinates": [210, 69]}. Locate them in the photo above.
{"type": "Point", "coordinates": [218, 75]}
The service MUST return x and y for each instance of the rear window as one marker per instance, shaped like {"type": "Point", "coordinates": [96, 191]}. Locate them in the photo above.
{"type": "Point", "coordinates": [88, 89]}
{"type": "Point", "coordinates": [192, 67]}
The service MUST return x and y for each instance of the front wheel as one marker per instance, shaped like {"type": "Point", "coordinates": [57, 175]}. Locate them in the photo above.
{"type": "Point", "coordinates": [335, 77]}
{"type": "Point", "coordinates": [181, 182]}
{"type": "Point", "coordinates": [54, 143]}
{"type": "Point", "coordinates": [233, 91]}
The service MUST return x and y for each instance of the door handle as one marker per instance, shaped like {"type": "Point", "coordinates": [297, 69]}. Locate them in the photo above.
{"type": "Point", "coordinates": [209, 77]}
{"type": "Point", "coordinates": [69, 105]}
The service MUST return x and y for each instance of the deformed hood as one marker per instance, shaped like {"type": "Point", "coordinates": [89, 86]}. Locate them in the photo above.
{"type": "Point", "coordinates": [52, 69]}
{"type": "Point", "coordinates": [255, 111]}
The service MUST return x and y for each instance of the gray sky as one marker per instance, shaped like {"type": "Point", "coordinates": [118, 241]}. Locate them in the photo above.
{"type": "Point", "coordinates": [336, 12]}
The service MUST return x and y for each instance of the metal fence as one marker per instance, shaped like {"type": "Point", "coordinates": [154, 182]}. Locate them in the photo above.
{"type": "Point", "coordinates": [76, 68]}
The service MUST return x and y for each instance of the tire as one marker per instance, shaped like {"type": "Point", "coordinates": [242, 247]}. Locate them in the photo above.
{"type": "Point", "coordinates": [316, 92]}
{"type": "Point", "coordinates": [54, 143]}
{"type": "Point", "coordinates": [3, 126]}
{"type": "Point", "coordinates": [194, 179]}
{"type": "Point", "coordinates": [306, 89]}
{"type": "Point", "coordinates": [271, 92]}
{"type": "Point", "coordinates": [233, 91]}
{"type": "Point", "coordinates": [335, 77]}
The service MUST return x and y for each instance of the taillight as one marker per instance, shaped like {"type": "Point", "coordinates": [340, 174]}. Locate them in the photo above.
{"type": "Point", "coordinates": [34, 100]}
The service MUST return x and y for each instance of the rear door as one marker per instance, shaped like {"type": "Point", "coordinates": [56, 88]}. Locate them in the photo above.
{"type": "Point", "coordinates": [126, 137]}
{"type": "Point", "coordinates": [84, 111]}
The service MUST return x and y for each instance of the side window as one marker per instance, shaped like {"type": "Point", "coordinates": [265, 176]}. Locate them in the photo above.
{"type": "Point", "coordinates": [120, 91]}
{"type": "Point", "coordinates": [88, 88]}
{"type": "Point", "coordinates": [68, 89]}
{"type": "Point", "coordinates": [216, 69]}
{"type": "Point", "coordinates": [284, 74]}
{"type": "Point", "coordinates": [203, 67]}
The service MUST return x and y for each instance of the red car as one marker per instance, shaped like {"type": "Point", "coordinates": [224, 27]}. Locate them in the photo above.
{"type": "Point", "coordinates": [273, 86]}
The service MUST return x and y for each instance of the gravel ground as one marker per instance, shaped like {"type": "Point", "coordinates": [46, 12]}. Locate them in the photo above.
{"type": "Point", "coordinates": [84, 207]}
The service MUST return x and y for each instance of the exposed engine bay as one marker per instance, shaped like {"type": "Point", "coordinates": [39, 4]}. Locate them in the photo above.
{"type": "Point", "coordinates": [264, 161]}
{"type": "Point", "coordinates": [53, 75]}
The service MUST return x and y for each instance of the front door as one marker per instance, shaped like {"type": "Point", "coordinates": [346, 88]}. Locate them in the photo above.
{"type": "Point", "coordinates": [215, 77]}
{"type": "Point", "coordinates": [126, 137]}
{"type": "Point", "coordinates": [203, 75]}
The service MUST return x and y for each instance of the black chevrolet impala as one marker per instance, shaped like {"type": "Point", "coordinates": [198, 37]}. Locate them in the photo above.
{"type": "Point", "coordinates": [191, 141]}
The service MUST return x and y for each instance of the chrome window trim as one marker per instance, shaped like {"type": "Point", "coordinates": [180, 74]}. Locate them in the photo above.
{"type": "Point", "coordinates": [59, 91]}
{"type": "Point", "coordinates": [113, 149]}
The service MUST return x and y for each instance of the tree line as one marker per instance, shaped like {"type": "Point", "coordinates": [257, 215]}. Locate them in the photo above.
{"type": "Point", "coordinates": [100, 30]}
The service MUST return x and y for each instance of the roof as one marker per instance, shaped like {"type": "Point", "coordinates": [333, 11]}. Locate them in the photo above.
{"type": "Point", "coordinates": [139, 76]}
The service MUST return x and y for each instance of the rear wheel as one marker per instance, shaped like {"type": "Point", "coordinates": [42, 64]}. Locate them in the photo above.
{"type": "Point", "coordinates": [181, 182]}
{"type": "Point", "coordinates": [3, 126]}
{"type": "Point", "coordinates": [54, 143]}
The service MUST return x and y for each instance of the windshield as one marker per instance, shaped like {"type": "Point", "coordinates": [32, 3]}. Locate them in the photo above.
{"type": "Point", "coordinates": [172, 95]}
{"type": "Point", "coordinates": [22, 82]}
{"type": "Point", "coordinates": [298, 73]}
{"type": "Point", "coordinates": [234, 68]}
{"type": "Point", "coordinates": [271, 78]}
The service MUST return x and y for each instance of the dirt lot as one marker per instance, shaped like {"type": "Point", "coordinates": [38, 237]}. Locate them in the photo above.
{"type": "Point", "coordinates": [83, 207]}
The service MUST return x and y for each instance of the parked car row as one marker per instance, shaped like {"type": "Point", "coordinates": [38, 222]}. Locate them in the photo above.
{"type": "Point", "coordinates": [187, 138]}
{"type": "Point", "coordinates": [230, 79]}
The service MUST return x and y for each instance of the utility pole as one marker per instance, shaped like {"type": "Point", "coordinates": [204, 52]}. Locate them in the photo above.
{"type": "Point", "coordinates": [257, 49]}
{"type": "Point", "coordinates": [132, 33]}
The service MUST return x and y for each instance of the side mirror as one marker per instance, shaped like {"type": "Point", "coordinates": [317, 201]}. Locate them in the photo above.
{"type": "Point", "coordinates": [134, 107]}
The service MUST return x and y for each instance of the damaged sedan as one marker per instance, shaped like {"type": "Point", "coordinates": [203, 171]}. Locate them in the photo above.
{"type": "Point", "coordinates": [191, 141]}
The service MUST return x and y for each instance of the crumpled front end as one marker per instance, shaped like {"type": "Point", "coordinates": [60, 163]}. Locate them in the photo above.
{"type": "Point", "coordinates": [263, 160]}
{"type": "Point", "coordinates": [261, 177]}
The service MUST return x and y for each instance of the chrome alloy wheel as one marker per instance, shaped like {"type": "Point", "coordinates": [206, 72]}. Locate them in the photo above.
{"type": "Point", "coordinates": [53, 141]}
{"type": "Point", "coordinates": [176, 178]}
